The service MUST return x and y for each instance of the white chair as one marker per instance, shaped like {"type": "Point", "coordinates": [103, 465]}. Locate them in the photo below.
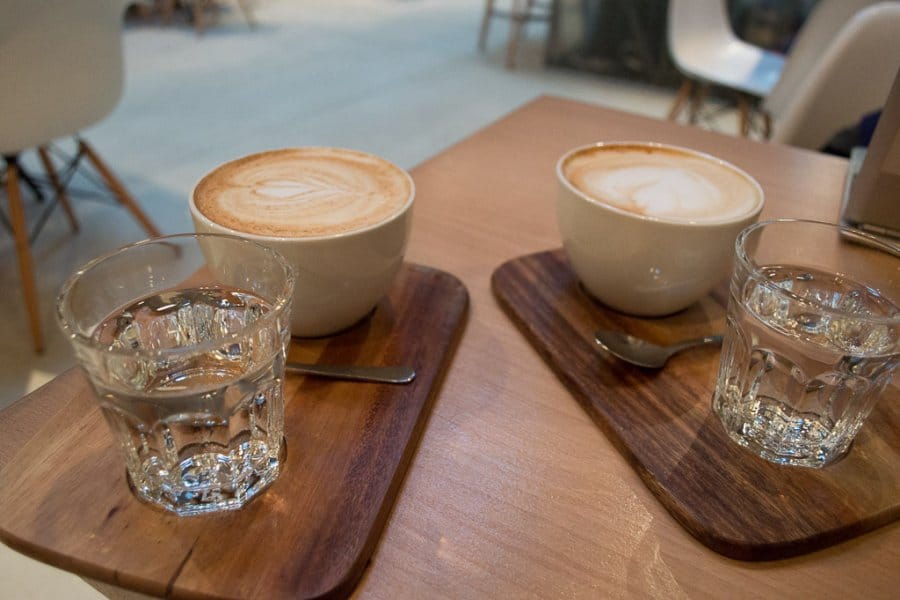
{"type": "Point", "coordinates": [841, 67]}
{"type": "Point", "coordinates": [61, 67]}
{"type": "Point", "coordinates": [519, 13]}
{"type": "Point", "coordinates": [706, 51]}
{"type": "Point", "coordinates": [812, 40]}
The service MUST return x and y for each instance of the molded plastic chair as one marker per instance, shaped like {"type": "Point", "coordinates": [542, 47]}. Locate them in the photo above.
{"type": "Point", "coordinates": [841, 67]}
{"type": "Point", "coordinates": [61, 64]}
{"type": "Point", "coordinates": [706, 51]}
{"type": "Point", "coordinates": [519, 13]}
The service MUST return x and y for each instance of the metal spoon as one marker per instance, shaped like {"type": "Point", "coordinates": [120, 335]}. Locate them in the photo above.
{"type": "Point", "coordinates": [643, 353]}
{"type": "Point", "coordinates": [377, 374]}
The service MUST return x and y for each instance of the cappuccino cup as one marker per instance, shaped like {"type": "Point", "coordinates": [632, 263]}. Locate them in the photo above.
{"type": "Point", "coordinates": [341, 218]}
{"type": "Point", "coordinates": [649, 228]}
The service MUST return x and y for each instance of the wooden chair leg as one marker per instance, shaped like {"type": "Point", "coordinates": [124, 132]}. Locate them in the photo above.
{"type": "Point", "coordinates": [248, 13]}
{"type": "Point", "coordinates": [698, 97]}
{"type": "Point", "coordinates": [684, 92]}
{"type": "Point", "coordinates": [516, 24]}
{"type": "Point", "coordinates": [767, 124]}
{"type": "Point", "coordinates": [57, 185]}
{"type": "Point", "coordinates": [485, 24]}
{"type": "Point", "coordinates": [166, 9]}
{"type": "Point", "coordinates": [744, 114]}
{"type": "Point", "coordinates": [23, 253]}
{"type": "Point", "coordinates": [118, 189]}
{"type": "Point", "coordinates": [199, 24]}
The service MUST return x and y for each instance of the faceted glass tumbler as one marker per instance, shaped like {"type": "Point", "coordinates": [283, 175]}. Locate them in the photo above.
{"type": "Point", "coordinates": [812, 339]}
{"type": "Point", "coordinates": [184, 340]}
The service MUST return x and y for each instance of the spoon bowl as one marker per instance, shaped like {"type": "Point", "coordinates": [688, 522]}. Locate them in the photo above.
{"type": "Point", "coordinates": [640, 352]}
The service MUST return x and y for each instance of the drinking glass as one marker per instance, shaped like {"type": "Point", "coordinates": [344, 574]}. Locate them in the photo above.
{"type": "Point", "coordinates": [812, 339]}
{"type": "Point", "coordinates": [184, 339]}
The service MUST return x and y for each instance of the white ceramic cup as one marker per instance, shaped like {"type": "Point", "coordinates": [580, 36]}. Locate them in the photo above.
{"type": "Point", "coordinates": [340, 277]}
{"type": "Point", "coordinates": [642, 264]}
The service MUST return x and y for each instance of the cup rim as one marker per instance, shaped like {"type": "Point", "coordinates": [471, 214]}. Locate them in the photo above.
{"type": "Point", "coordinates": [285, 296]}
{"type": "Point", "coordinates": [197, 214]}
{"type": "Point", "coordinates": [850, 233]}
{"type": "Point", "coordinates": [751, 214]}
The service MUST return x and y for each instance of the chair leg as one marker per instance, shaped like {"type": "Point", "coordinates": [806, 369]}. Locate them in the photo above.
{"type": "Point", "coordinates": [684, 92]}
{"type": "Point", "coordinates": [485, 24]}
{"type": "Point", "coordinates": [516, 24]}
{"type": "Point", "coordinates": [767, 124]}
{"type": "Point", "coordinates": [26, 179]}
{"type": "Point", "coordinates": [166, 9]}
{"type": "Point", "coordinates": [744, 114]}
{"type": "Point", "coordinates": [248, 13]}
{"type": "Point", "coordinates": [118, 189]}
{"type": "Point", "coordinates": [23, 252]}
{"type": "Point", "coordinates": [698, 97]}
{"type": "Point", "coordinates": [57, 185]}
{"type": "Point", "coordinates": [199, 24]}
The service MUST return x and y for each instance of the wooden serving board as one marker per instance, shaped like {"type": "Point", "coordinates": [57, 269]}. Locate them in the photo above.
{"type": "Point", "coordinates": [661, 421]}
{"type": "Point", "coordinates": [64, 497]}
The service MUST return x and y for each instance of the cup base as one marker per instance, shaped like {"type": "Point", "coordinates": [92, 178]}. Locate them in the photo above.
{"type": "Point", "coordinates": [638, 312]}
{"type": "Point", "coordinates": [812, 462]}
{"type": "Point", "coordinates": [768, 430]}
{"type": "Point", "coordinates": [209, 482]}
{"type": "Point", "coordinates": [309, 333]}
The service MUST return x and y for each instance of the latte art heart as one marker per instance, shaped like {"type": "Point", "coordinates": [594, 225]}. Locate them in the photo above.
{"type": "Point", "coordinates": [661, 183]}
{"type": "Point", "coordinates": [303, 192]}
{"type": "Point", "coordinates": [657, 191]}
{"type": "Point", "coordinates": [285, 189]}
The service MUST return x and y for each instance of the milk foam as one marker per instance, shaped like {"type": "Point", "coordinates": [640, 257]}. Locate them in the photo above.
{"type": "Point", "coordinates": [303, 192]}
{"type": "Point", "coordinates": [662, 183]}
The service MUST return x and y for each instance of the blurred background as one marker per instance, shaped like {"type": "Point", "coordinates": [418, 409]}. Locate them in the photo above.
{"type": "Point", "coordinates": [206, 81]}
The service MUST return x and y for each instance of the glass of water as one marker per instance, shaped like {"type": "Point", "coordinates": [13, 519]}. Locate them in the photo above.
{"type": "Point", "coordinates": [812, 339]}
{"type": "Point", "coordinates": [184, 340]}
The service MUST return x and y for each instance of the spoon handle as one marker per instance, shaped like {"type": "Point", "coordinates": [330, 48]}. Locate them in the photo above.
{"type": "Point", "coordinates": [399, 374]}
{"type": "Point", "coordinates": [709, 339]}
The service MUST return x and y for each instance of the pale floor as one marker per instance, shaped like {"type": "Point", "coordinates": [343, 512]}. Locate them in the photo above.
{"type": "Point", "coordinates": [397, 78]}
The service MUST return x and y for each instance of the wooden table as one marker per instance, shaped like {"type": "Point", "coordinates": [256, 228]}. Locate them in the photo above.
{"type": "Point", "coordinates": [514, 492]}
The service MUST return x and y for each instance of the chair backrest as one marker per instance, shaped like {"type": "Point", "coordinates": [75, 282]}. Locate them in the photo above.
{"type": "Point", "coordinates": [811, 42]}
{"type": "Point", "coordinates": [695, 25]}
{"type": "Point", "coordinates": [61, 66]}
{"type": "Point", "coordinates": [849, 78]}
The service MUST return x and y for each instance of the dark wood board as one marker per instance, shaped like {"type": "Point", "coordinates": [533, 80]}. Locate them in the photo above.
{"type": "Point", "coordinates": [64, 497]}
{"type": "Point", "coordinates": [661, 421]}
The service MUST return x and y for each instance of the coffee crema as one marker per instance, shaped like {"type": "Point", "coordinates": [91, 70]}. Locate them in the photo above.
{"type": "Point", "coordinates": [662, 182]}
{"type": "Point", "coordinates": [303, 192]}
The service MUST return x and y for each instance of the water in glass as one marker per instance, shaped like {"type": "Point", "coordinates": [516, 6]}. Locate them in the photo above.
{"type": "Point", "coordinates": [796, 382]}
{"type": "Point", "coordinates": [201, 430]}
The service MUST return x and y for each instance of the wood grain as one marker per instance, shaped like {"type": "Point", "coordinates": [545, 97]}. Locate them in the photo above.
{"type": "Point", "coordinates": [661, 421]}
{"type": "Point", "coordinates": [514, 492]}
{"type": "Point", "coordinates": [64, 497]}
